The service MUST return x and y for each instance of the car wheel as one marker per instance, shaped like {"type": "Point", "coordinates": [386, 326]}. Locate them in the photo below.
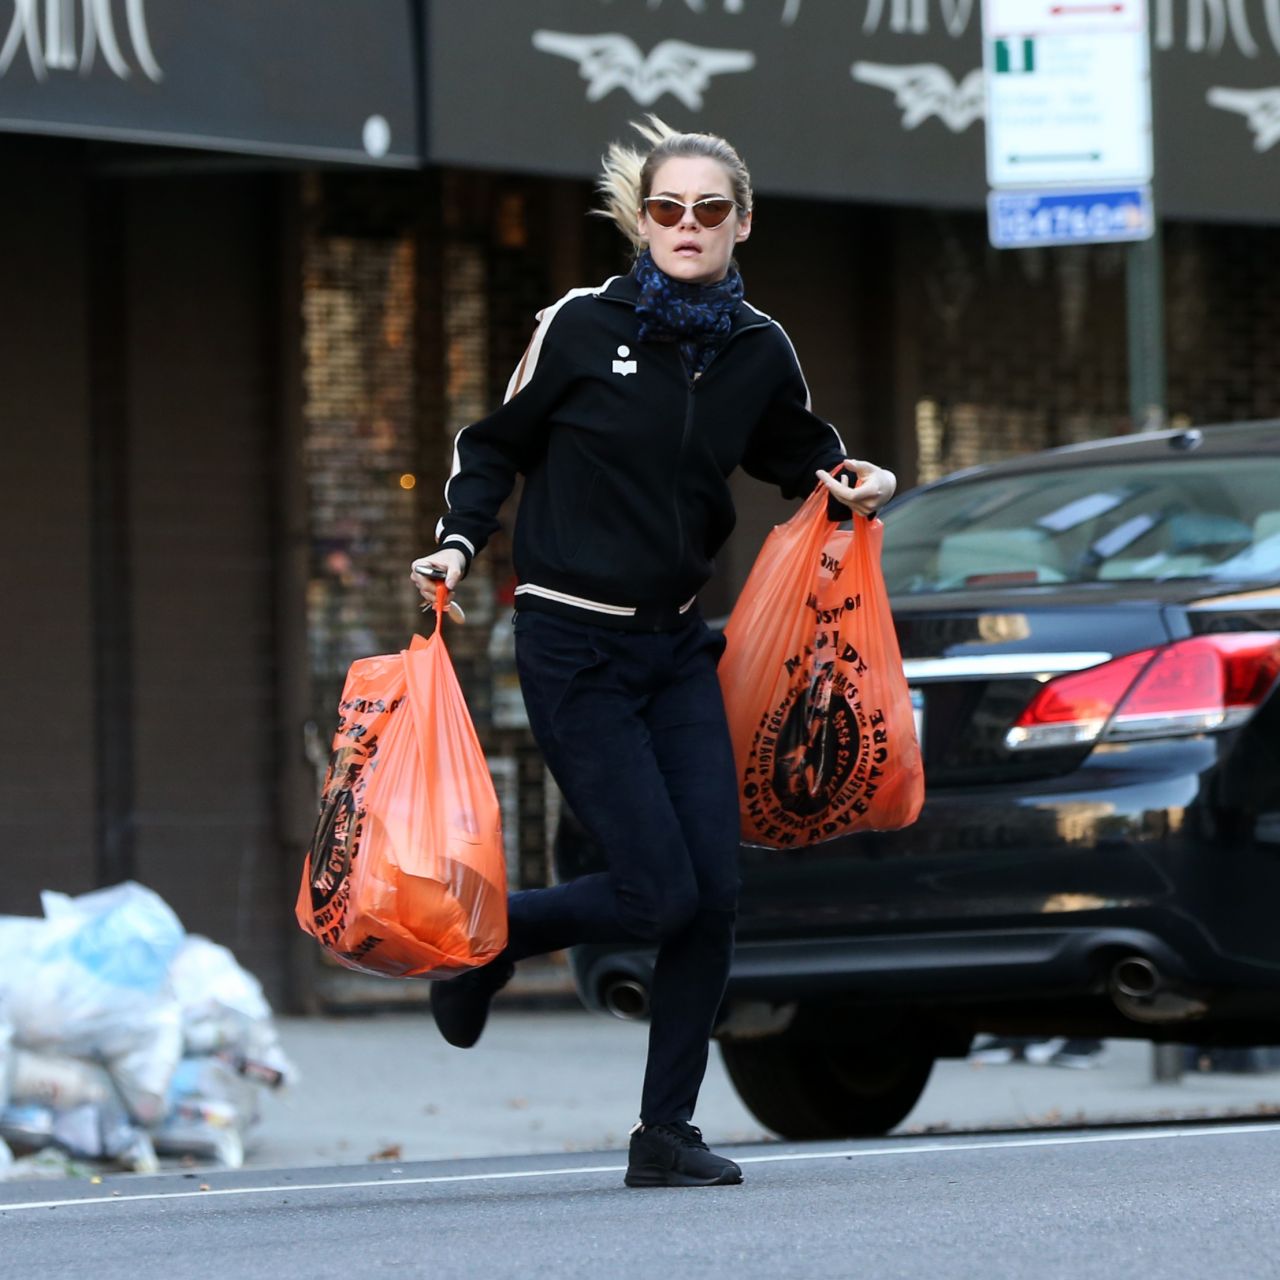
{"type": "Point", "coordinates": [806, 1089]}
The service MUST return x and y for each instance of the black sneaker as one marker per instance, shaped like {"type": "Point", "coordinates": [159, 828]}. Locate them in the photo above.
{"type": "Point", "coordinates": [460, 1005]}
{"type": "Point", "coordinates": [674, 1155]}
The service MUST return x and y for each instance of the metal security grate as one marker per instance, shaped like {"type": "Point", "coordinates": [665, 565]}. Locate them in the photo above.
{"type": "Point", "coordinates": [359, 448]}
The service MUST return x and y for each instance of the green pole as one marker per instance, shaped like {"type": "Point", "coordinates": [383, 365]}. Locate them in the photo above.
{"type": "Point", "coordinates": [1145, 305]}
{"type": "Point", "coordinates": [1144, 288]}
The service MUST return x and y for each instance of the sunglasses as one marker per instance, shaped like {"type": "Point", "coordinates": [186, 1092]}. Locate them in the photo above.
{"type": "Point", "coordinates": [710, 212]}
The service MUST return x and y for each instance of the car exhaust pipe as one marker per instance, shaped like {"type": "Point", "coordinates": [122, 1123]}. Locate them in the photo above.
{"type": "Point", "coordinates": [1136, 978]}
{"type": "Point", "coordinates": [1141, 992]}
{"type": "Point", "coordinates": [625, 997]}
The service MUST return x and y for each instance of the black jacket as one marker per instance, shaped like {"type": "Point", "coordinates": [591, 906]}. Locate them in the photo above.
{"type": "Point", "coordinates": [626, 499]}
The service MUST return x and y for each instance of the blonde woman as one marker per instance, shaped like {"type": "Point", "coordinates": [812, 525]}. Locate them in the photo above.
{"type": "Point", "coordinates": [633, 404]}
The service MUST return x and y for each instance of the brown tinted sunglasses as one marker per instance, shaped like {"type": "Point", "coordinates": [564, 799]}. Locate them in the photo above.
{"type": "Point", "coordinates": [710, 212]}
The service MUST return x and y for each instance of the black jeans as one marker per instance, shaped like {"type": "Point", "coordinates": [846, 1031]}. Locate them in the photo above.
{"type": "Point", "coordinates": [632, 727]}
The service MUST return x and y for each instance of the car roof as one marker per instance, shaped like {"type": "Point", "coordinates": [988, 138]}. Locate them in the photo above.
{"type": "Point", "coordinates": [1230, 439]}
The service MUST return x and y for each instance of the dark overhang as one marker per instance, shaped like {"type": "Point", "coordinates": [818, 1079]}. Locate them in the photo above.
{"type": "Point", "coordinates": [325, 81]}
{"type": "Point", "coordinates": [873, 100]}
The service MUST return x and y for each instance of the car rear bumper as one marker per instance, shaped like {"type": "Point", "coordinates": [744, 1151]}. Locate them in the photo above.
{"type": "Point", "coordinates": [1008, 896]}
{"type": "Point", "coordinates": [973, 968]}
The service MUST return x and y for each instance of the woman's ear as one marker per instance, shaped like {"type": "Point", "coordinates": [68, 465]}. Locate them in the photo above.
{"type": "Point", "coordinates": [744, 228]}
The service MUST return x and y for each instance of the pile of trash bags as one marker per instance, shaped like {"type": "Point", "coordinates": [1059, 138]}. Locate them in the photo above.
{"type": "Point", "coordinates": [124, 1039]}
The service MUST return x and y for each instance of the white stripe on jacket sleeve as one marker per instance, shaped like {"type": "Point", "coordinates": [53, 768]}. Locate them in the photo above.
{"type": "Point", "coordinates": [520, 377]}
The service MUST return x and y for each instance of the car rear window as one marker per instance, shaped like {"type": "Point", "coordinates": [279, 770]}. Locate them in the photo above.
{"type": "Point", "coordinates": [1213, 518]}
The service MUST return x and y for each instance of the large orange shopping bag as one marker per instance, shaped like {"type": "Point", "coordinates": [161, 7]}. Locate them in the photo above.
{"type": "Point", "coordinates": [406, 873]}
{"type": "Point", "coordinates": [819, 710]}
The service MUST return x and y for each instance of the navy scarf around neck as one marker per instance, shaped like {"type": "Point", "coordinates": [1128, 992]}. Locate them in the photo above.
{"type": "Point", "coordinates": [696, 316]}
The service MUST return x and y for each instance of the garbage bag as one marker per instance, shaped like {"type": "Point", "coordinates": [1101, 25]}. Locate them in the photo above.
{"type": "Point", "coordinates": [818, 705]}
{"type": "Point", "coordinates": [224, 1011]}
{"type": "Point", "coordinates": [212, 1107]}
{"type": "Point", "coordinates": [406, 873]}
{"type": "Point", "coordinates": [6, 1058]}
{"type": "Point", "coordinates": [91, 981]}
{"type": "Point", "coordinates": [203, 1130]}
{"type": "Point", "coordinates": [27, 1126]}
{"type": "Point", "coordinates": [56, 1080]}
{"type": "Point", "coordinates": [86, 1132]}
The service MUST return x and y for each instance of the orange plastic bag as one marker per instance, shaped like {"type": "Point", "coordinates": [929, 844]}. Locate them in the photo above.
{"type": "Point", "coordinates": [819, 710]}
{"type": "Point", "coordinates": [406, 874]}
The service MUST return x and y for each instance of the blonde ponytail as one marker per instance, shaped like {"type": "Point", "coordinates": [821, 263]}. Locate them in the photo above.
{"type": "Point", "coordinates": [621, 178]}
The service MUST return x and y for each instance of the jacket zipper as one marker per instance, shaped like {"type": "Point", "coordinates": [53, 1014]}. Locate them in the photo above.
{"type": "Point", "coordinates": [692, 380]}
{"type": "Point", "coordinates": [687, 429]}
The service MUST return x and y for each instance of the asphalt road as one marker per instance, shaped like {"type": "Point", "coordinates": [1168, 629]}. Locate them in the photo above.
{"type": "Point", "coordinates": [1166, 1203]}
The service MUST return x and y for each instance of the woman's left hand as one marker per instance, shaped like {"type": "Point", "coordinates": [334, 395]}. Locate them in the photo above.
{"type": "Point", "coordinates": [863, 492]}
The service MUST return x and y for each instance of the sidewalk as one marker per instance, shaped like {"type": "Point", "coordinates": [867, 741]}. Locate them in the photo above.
{"type": "Point", "coordinates": [387, 1087]}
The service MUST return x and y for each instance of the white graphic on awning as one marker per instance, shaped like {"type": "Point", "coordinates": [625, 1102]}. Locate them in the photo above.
{"type": "Point", "coordinates": [613, 61]}
{"type": "Point", "coordinates": [1260, 108]}
{"type": "Point", "coordinates": [924, 89]}
{"type": "Point", "coordinates": [790, 8]}
{"type": "Point", "coordinates": [913, 15]}
{"type": "Point", "coordinates": [71, 33]}
{"type": "Point", "coordinates": [1208, 21]}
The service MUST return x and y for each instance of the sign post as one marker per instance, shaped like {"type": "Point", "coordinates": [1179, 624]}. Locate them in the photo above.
{"type": "Point", "coordinates": [1069, 151]}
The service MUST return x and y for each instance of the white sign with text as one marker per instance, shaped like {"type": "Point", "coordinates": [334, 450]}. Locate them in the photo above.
{"type": "Point", "coordinates": [1062, 17]}
{"type": "Point", "coordinates": [1068, 103]}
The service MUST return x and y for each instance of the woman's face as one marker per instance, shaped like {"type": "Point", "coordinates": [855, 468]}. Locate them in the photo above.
{"type": "Point", "coordinates": [689, 251]}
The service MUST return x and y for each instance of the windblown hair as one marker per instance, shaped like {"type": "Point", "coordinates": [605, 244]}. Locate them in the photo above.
{"type": "Point", "coordinates": [626, 178]}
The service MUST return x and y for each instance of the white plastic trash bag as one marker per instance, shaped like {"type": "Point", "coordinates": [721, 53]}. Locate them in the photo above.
{"type": "Point", "coordinates": [209, 984]}
{"type": "Point", "coordinates": [224, 1011]}
{"type": "Point", "coordinates": [91, 981]}
{"type": "Point", "coordinates": [6, 1057]}
{"type": "Point", "coordinates": [54, 1080]}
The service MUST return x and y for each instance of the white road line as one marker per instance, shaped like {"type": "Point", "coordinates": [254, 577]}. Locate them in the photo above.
{"type": "Point", "coordinates": [854, 1153]}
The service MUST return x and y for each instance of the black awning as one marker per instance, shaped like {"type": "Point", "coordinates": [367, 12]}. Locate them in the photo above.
{"type": "Point", "coordinates": [861, 99]}
{"type": "Point", "coordinates": [851, 99]}
{"type": "Point", "coordinates": [320, 80]}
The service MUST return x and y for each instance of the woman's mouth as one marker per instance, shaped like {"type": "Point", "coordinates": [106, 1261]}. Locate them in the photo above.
{"type": "Point", "coordinates": [688, 248]}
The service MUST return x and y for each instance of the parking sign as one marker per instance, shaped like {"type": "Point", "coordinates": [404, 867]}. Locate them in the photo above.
{"type": "Point", "coordinates": [1068, 93]}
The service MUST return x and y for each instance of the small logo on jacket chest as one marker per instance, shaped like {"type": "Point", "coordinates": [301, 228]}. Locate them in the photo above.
{"type": "Point", "coordinates": [622, 365]}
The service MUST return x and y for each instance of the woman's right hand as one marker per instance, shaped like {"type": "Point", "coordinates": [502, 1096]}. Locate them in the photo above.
{"type": "Point", "coordinates": [453, 564]}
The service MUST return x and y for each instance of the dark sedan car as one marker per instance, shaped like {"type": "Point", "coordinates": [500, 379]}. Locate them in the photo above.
{"type": "Point", "coordinates": [1092, 636]}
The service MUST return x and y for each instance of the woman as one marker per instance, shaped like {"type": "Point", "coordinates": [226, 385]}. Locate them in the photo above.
{"type": "Point", "coordinates": [631, 407]}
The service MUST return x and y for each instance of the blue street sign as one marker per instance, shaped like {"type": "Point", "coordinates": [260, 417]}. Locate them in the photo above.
{"type": "Point", "coordinates": [1019, 219]}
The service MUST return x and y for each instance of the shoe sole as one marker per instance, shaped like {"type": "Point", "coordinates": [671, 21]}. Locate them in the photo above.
{"type": "Point", "coordinates": [670, 1178]}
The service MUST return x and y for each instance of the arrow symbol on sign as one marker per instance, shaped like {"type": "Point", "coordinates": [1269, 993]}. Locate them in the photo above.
{"type": "Point", "coordinates": [1051, 159]}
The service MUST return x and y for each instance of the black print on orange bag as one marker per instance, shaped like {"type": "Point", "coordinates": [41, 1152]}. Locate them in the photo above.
{"type": "Point", "coordinates": [818, 706]}
{"type": "Point", "coordinates": [406, 873]}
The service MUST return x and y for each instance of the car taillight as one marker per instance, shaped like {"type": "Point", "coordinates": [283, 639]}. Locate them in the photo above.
{"type": "Point", "coordinates": [1191, 686]}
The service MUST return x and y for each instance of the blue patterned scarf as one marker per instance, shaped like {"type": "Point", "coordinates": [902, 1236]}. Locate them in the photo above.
{"type": "Point", "coordinates": [697, 316]}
